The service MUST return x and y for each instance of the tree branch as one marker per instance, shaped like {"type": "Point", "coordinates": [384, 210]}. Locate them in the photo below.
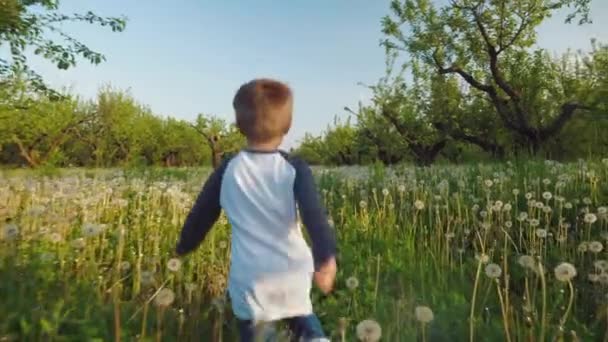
{"type": "Point", "coordinates": [567, 111]}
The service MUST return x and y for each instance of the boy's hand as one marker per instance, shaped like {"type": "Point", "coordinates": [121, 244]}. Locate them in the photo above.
{"type": "Point", "coordinates": [326, 276]}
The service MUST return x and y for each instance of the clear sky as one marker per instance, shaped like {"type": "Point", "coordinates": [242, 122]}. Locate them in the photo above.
{"type": "Point", "coordinates": [184, 57]}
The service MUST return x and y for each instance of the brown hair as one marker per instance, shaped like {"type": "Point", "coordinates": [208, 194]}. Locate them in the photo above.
{"type": "Point", "coordinates": [263, 109]}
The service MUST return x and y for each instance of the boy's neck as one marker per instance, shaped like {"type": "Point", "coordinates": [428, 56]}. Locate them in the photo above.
{"type": "Point", "coordinates": [264, 146]}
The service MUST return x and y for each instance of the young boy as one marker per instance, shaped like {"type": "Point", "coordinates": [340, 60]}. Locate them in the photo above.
{"type": "Point", "coordinates": [259, 189]}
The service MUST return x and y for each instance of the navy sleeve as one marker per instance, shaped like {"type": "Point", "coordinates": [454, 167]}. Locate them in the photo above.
{"type": "Point", "coordinates": [204, 213]}
{"type": "Point", "coordinates": [313, 214]}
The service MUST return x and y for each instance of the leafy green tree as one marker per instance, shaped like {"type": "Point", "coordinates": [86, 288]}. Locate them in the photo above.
{"type": "Point", "coordinates": [484, 42]}
{"type": "Point", "coordinates": [220, 137]}
{"type": "Point", "coordinates": [37, 25]}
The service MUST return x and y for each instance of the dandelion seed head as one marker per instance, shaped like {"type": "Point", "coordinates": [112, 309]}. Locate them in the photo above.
{"type": "Point", "coordinates": [595, 247]}
{"type": "Point", "coordinates": [534, 222]}
{"type": "Point", "coordinates": [424, 314]}
{"type": "Point", "coordinates": [363, 204]}
{"type": "Point", "coordinates": [568, 205]}
{"type": "Point", "coordinates": [493, 271]}
{"type": "Point", "coordinates": [590, 218]}
{"type": "Point", "coordinates": [369, 331]}
{"type": "Point", "coordinates": [527, 261]}
{"type": "Point", "coordinates": [564, 272]}
{"type": "Point", "coordinates": [483, 258]}
{"type": "Point", "coordinates": [401, 188]}
{"type": "Point", "coordinates": [528, 195]}
{"type": "Point", "coordinates": [601, 265]}
{"type": "Point", "coordinates": [419, 205]}
{"type": "Point", "coordinates": [547, 195]}
{"type": "Point", "coordinates": [507, 207]}
{"type": "Point", "coordinates": [587, 200]}
{"type": "Point", "coordinates": [515, 192]}
{"type": "Point", "coordinates": [164, 298]}
{"type": "Point", "coordinates": [174, 264]}
{"type": "Point", "coordinates": [385, 192]}
{"type": "Point", "coordinates": [352, 283]}
{"type": "Point", "coordinates": [541, 233]}
{"type": "Point", "coordinates": [593, 277]}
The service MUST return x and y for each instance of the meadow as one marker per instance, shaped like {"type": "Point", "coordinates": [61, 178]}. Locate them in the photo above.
{"type": "Point", "coordinates": [509, 251]}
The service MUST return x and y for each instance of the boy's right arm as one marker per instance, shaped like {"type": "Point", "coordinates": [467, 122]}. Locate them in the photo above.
{"type": "Point", "coordinates": [205, 212]}
{"type": "Point", "coordinates": [315, 220]}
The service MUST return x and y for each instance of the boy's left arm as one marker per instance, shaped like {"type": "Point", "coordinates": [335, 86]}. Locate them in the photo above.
{"type": "Point", "coordinates": [204, 213]}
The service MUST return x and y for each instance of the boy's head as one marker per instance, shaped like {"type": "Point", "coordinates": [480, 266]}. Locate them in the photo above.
{"type": "Point", "coordinates": [263, 110]}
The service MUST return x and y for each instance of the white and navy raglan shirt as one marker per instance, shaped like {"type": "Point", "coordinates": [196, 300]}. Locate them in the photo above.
{"type": "Point", "coordinates": [271, 265]}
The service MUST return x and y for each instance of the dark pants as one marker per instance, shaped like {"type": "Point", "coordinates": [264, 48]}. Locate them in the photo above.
{"type": "Point", "coordinates": [305, 327]}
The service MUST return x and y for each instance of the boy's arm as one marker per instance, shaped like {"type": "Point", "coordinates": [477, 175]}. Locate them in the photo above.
{"type": "Point", "coordinates": [313, 216]}
{"type": "Point", "coordinates": [204, 213]}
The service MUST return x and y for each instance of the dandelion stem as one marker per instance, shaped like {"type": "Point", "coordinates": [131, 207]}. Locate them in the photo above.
{"type": "Point", "coordinates": [472, 314]}
{"type": "Point", "coordinates": [503, 308]}
{"type": "Point", "coordinates": [570, 301]}
{"type": "Point", "coordinates": [543, 318]}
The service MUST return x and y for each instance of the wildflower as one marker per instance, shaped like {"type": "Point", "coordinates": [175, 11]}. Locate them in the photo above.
{"type": "Point", "coordinates": [369, 331]}
{"type": "Point", "coordinates": [595, 247]}
{"type": "Point", "coordinates": [594, 278]}
{"type": "Point", "coordinates": [539, 205]}
{"type": "Point", "coordinates": [564, 272]}
{"type": "Point", "coordinates": [352, 283]}
{"type": "Point", "coordinates": [423, 314]}
{"type": "Point", "coordinates": [541, 233]}
{"type": "Point", "coordinates": [601, 211]}
{"type": "Point", "coordinates": [190, 287]}
{"type": "Point", "coordinates": [515, 192]}
{"type": "Point", "coordinates": [547, 195]}
{"type": "Point", "coordinates": [547, 209]}
{"type": "Point", "coordinates": [488, 183]}
{"type": "Point", "coordinates": [90, 229]}
{"type": "Point", "coordinates": [125, 266]}
{"type": "Point", "coordinates": [418, 204]}
{"type": "Point", "coordinates": [522, 216]}
{"type": "Point", "coordinates": [534, 222]}
{"type": "Point", "coordinates": [146, 278]}
{"type": "Point", "coordinates": [587, 200]}
{"type": "Point", "coordinates": [546, 181]}
{"type": "Point", "coordinates": [527, 261]}
{"type": "Point", "coordinates": [363, 204]}
{"type": "Point", "coordinates": [401, 188]}
{"type": "Point", "coordinates": [498, 205]}
{"type": "Point", "coordinates": [55, 237]}
{"type": "Point", "coordinates": [449, 235]}
{"type": "Point", "coordinates": [493, 271]}
{"type": "Point", "coordinates": [560, 198]}
{"type": "Point", "coordinates": [583, 247]}
{"type": "Point", "coordinates": [174, 264]}
{"type": "Point", "coordinates": [391, 206]}
{"type": "Point", "coordinates": [507, 207]}
{"type": "Point", "coordinates": [528, 195]}
{"type": "Point", "coordinates": [603, 278]}
{"type": "Point", "coordinates": [590, 218]}
{"type": "Point", "coordinates": [164, 298]}
{"type": "Point", "coordinates": [508, 224]}
{"type": "Point", "coordinates": [11, 231]}
{"type": "Point", "coordinates": [78, 243]}
{"type": "Point", "coordinates": [475, 207]}
{"type": "Point", "coordinates": [601, 265]}
{"type": "Point", "coordinates": [568, 205]}
{"type": "Point", "coordinates": [385, 192]}
{"type": "Point", "coordinates": [484, 258]}
{"type": "Point", "coordinates": [466, 231]}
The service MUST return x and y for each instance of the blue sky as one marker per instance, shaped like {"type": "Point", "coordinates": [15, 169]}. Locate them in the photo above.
{"type": "Point", "coordinates": [185, 57]}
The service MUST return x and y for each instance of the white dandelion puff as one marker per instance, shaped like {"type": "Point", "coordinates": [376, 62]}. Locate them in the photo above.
{"type": "Point", "coordinates": [564, 272]}
{"type": "Point", "coordinates": [419, 205]}
{"type": "Point", "coordinates": [595, 247]}
{"type": "Point", "coordinates": [527, 261]}
{"type": "Point", "coordinates": [493, 271]}
{"type": "Point", "coordinates": [423, 314]}
{"type": "Point", "coordinates": [590, 218]}
{"type": "Point", "coordinates": [352, 283]}
{"type": "Point", "coordinates": [369, 331]}
{"type": "Point", "coordinates": [164, 298]}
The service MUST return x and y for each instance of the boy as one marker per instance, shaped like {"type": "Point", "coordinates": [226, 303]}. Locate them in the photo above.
{"type": "Point", "coordinates": [271, 267]}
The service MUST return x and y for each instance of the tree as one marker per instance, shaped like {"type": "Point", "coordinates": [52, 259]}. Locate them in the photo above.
{"type": "Point", "coordinates": [409, 112]}
{"type": "Point", "coordinates": [478, 40]}
{"type": "Point", "coordinates": [219, 136]}
{"type": "Point", "coordinates": [32, 24]}
{"type": "Point", "coordinates": [39, 131]}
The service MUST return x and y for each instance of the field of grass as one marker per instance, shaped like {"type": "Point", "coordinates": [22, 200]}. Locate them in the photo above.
{"type": "Point", "coordinates": [495, 252]}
